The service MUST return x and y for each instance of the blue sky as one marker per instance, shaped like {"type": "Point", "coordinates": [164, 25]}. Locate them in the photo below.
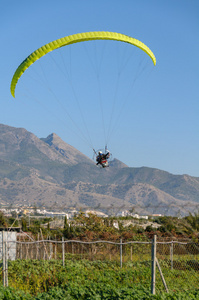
{"type": "Point", "coordinates": [159, 124]}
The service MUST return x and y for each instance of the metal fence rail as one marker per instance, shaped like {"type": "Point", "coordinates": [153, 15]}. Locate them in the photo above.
{"type": "Point", "coordinates": [173, 265]}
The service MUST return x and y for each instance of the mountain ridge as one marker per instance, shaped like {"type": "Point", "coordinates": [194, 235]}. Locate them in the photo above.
{"type": "Point", "coordinates": [48, 170]}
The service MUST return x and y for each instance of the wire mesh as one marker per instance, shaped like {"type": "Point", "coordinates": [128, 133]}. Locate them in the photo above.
{"type": "Point", "coordinates": [179, 261]}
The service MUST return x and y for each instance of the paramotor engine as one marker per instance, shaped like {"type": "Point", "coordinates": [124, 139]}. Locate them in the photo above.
{"type": "Point", "coordinates": [102, 157]}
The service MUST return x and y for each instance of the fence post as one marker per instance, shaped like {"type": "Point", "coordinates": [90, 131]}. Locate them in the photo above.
{"type": "Point", "coordinates": [51, 250]}
{"type": "Point", "coordinates": [120, 253]}
{"type": "Point", "coordinates": [162, 276]}
{"type": "Point", "coordinates": [153, 264]}
{"type": "Point", "coordinates": [4, 259]}
{"type": "Point", "coordinates": [171, 255]}
{"type": "Point", "coordinates": [63, 252]}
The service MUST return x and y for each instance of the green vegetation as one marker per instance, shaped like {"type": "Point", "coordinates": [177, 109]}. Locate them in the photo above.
{"type": "Point", "coordinates": [33, 279]}
{"type": "Point", "coordinates": [81, 278]}
{"type": "Point", "coordinates": [193, 220]}
{"type": "Point", "coordinates": [92, 227]}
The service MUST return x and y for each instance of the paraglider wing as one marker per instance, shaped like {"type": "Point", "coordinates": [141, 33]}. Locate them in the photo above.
{"type": "Point", "coordinates": [71, 39]}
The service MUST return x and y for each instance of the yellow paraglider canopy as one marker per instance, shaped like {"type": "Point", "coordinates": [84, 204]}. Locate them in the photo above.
{"type": "Point", "coordinates": [71, 39]}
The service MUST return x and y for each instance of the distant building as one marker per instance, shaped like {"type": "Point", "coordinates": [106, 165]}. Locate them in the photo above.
{"type": "Point", "coordinates": [156, 215]}
{"type": "Point", "coordinates": [126, 213]}
{"type": "Point", "coordinates": [72, 213]}
{"type": "Point", "coordinates": [139, 217]}
{"type": "Point", "coordinates": [56, 214]}
{"type": "Point", "coordinates": [123, 213]}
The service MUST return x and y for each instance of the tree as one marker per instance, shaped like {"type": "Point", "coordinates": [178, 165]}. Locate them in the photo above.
{"type": "Point", "coordinates": [24, 224]}
{"type": "Point", "coordinates": [3, 222]}
{"type": "Point", "coordinates": [193, 220]}
{"type": "Point", "coordinates": [68, 232]}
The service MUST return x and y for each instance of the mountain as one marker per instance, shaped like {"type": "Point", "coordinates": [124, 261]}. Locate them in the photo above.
{"type": "Point", "coordinates": [49, 172]}
{"type": "Point", "coordinates": [72, 156]}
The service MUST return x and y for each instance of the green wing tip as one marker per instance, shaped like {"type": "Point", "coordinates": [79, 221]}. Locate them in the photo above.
{"type": "Point", "coordinates": [12, 93]}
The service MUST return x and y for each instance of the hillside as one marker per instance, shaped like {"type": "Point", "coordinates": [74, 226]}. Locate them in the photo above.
{"type": "Point", "coordinates": [49, 172]}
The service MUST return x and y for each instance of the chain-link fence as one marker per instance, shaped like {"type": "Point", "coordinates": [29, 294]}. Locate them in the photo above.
{"type": "Point", "coordinates": [78, 250]}
{"type": "Point", "coordinates": [179, 262]}
{"type": "Point", "coordinates": [167, 265]}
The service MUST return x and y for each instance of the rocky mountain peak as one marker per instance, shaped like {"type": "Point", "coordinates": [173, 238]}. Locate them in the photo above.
{"type": "Point", "coordinates": [67, 151]}
{"type": "Point", "coordinates": [44, 170]}
{"type": "Point", "coordinates": [53, 138]}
